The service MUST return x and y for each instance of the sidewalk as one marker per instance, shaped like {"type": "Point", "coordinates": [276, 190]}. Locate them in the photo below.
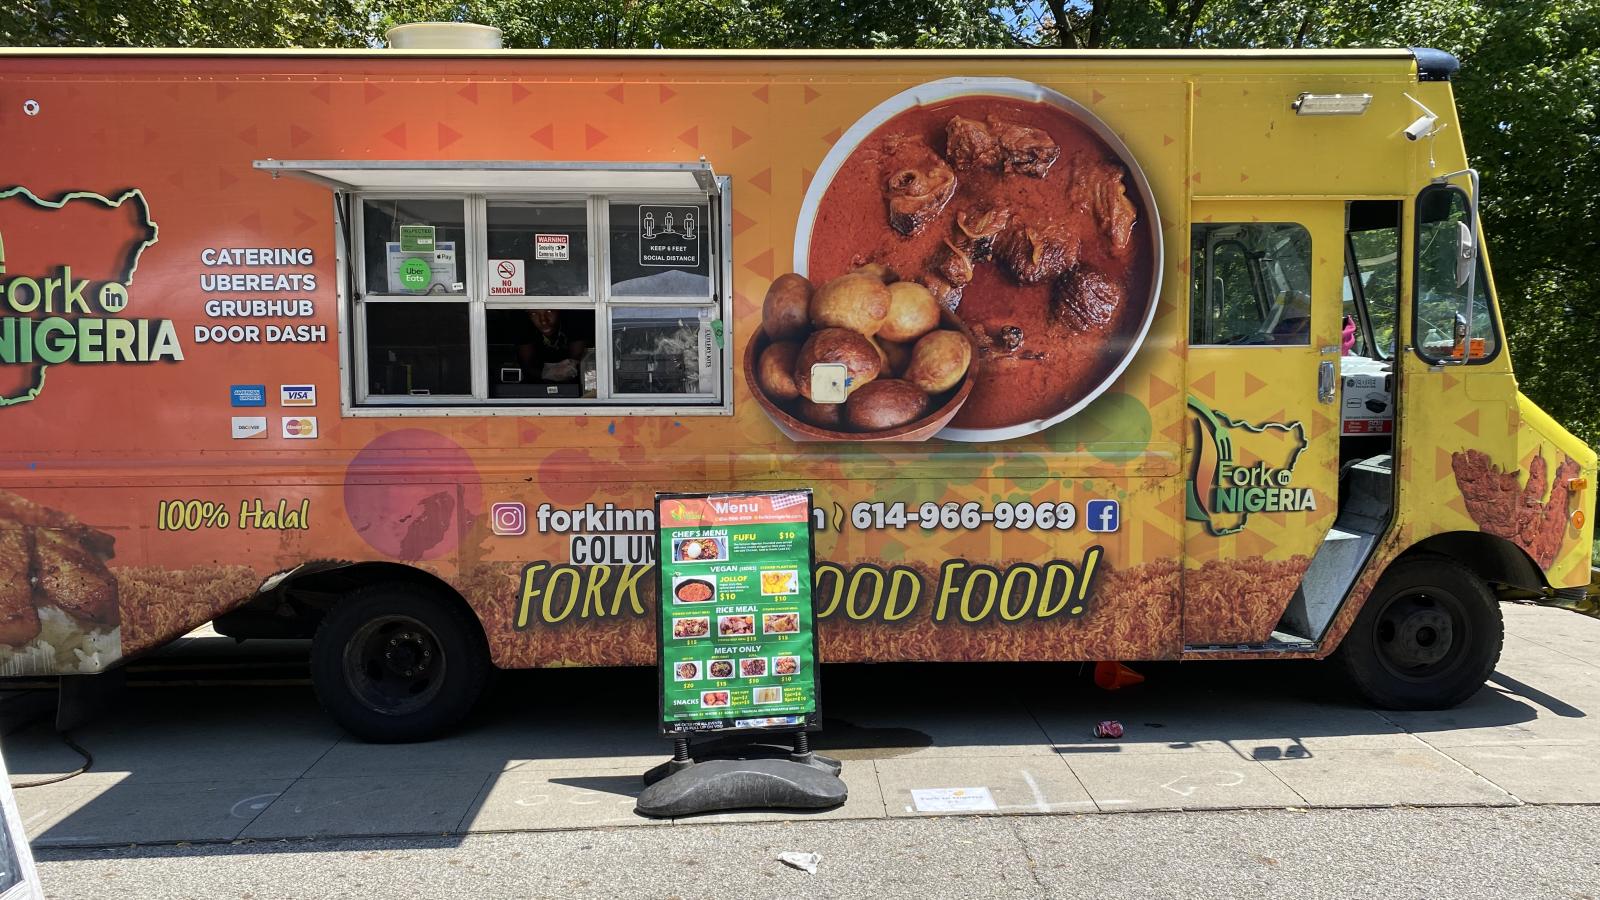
{"type": "Point", "coordinates": [563, 749]}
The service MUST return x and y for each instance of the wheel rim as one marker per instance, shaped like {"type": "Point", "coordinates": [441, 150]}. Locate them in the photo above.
{"type": "Point", "coordinates": [394, 665]}
{"type": "Point", "coordinates": [1421, 633]}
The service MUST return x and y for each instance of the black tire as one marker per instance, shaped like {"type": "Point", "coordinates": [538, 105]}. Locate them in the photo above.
{"type": "Point", "coordinates": [395, 663]}
{"type": "Point", "coordinates": [1428, 637]}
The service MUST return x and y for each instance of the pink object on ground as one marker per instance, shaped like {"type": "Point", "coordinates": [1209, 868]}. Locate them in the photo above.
{"type": "Point", "coordinates": [1110, 728]}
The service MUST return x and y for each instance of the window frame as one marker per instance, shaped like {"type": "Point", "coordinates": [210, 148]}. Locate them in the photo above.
{"type": "Point", "coordinates": [1258, 285]}
{"type": "Point", "coordinates": [1481, 277]}
{"type": "Point", "coordinates": [357, 401]}
{"type": "Point", "coordinates": [539, 301]}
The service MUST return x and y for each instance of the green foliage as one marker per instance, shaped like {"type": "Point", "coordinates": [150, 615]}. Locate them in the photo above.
{"type": "Point", "coordinates": [1527, 92]}
{"type": "Point", "coordinates": [184, 23]}
{"type": "Point", "coordinates": [643, 24]}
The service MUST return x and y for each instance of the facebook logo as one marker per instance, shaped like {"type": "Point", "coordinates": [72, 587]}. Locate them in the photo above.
{"type": "Point", "coordinates": [1102, 515]}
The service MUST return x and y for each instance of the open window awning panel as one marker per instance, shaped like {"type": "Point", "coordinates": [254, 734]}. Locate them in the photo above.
{"type": "Point", "coordinates": [496, 175]}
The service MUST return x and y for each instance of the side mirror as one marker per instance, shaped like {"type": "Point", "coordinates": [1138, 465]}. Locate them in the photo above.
{"type": "Point", "coordinates": [1466, 253]}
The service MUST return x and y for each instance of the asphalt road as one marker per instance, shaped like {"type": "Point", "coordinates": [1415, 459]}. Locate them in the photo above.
{"type": "Point", "coordinates": [1521, 852]}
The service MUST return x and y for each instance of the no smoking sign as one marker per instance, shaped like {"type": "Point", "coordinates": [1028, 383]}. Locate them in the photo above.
{"type": "Point", "coordinates": [507, 278]}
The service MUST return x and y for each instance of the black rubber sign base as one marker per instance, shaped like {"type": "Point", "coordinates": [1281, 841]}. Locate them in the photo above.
{"type": "Point", "coordinates": [749, 776]}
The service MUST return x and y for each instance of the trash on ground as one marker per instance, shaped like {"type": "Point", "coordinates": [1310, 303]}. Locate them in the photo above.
{"type": "Point", "coordinates": [806, 862]}
{"type": "Point", "coordinates": [962, 799]}
{"type": "Point", "coordinates": [1110, 728]}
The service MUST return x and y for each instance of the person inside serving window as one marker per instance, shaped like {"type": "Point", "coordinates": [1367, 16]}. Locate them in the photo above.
{"type": "Point", "coordinates": [550, 346]}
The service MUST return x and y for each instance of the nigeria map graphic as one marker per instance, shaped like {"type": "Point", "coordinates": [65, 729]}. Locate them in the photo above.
{"type": "Point", "coordinates": [64, 261]}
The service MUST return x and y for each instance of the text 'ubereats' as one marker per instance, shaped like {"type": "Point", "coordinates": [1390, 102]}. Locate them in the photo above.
{"type": "Point", "coordinates": [270, 319]}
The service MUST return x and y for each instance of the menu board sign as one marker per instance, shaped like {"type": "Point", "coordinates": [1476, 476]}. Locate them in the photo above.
{"type": "Point", "coordinates": [737, 646]}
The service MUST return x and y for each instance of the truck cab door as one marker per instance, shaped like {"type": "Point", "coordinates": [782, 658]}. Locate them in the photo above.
{"type": "Point", "coordinates": [1262, 381]}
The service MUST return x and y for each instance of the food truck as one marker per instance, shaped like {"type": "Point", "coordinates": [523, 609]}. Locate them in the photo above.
{"type": "Point", "coordinates": [1085, 356]}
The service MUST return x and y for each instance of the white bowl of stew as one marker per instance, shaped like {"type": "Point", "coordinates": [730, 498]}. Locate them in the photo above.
{"type": "Point", "coordinates": [1039, 363]}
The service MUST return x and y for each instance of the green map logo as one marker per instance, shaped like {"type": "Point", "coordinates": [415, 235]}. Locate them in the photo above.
{"type": "Point", "coordinates": [65, 269]}
{"type": "Point", "coordinates": [1239, 468]}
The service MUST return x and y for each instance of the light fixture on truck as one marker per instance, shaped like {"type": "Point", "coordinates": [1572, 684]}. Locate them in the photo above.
{"type": "Point", "coordinates": [1331, 104]}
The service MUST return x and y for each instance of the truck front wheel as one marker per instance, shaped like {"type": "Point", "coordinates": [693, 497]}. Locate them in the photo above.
{"type": "Point", "coordinates": [1428, 637]}
{"type": "Point", "coordinates": [393, 663]}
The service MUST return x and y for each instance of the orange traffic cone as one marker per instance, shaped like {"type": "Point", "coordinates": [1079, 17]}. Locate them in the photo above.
{"type": "Point", "coordinates": [1111, 676]}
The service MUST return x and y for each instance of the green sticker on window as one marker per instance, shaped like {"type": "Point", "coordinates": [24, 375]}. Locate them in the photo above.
{"type": "Point", "coordinates": [415, 275]}
{"type": "Point", "coordinates": [416, 238]}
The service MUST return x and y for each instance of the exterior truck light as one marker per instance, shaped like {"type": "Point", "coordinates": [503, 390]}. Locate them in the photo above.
{"type": "Point", "coordinates": [1331, 104]}
{"type": "Point", "coordinates": [1574, 485]}
{"type": "Point", "coordinates": [1577, 518]}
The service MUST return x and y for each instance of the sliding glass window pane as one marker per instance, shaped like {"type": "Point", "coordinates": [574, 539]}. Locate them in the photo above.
{"type": "Point", "coordinates": [538, 249]}
{"type": "Point", "coordinates": [662, 350]}
{"type": "Point", "coordinates": [541, 353]}
{"type": "Point", "coordinates": [660, 250]}
{"type": "Point", "coordinates": [418, 349]}
{"type": "Point", "coordinates": [415, 246]}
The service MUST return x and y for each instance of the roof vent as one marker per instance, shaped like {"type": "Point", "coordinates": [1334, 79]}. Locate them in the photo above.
{"type": "Point", "coordinates": [443, 36]}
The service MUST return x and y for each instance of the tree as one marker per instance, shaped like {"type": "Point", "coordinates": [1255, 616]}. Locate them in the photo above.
{"type": "Point", "coordinates": [184, 23]}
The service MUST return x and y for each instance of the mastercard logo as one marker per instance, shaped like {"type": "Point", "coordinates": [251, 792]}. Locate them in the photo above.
{"type": "Point", "coordinates": [300, 427]}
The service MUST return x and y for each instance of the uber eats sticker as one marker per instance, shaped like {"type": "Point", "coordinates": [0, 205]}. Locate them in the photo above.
{"type": "Point", "coordinates": [1242, 469]}
{"type": "Point", "coordinates": [66, 272]}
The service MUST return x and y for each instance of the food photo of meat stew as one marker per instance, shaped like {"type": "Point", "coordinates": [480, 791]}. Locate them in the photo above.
{"type": "Point", "coordinates": [1019, 218]}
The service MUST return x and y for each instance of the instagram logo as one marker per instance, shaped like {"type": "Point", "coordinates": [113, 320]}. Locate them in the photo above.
{"type": "Point", "coordinates": [508, 519]}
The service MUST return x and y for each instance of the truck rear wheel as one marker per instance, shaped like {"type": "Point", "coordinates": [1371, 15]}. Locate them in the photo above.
{"type": "Point", "coordinates": [393, 663]}
{"type": "Point", "coordinates": [1428, 637]}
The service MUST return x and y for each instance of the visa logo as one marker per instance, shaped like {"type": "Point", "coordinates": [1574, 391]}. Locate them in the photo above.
{"type": "Point", "coordinates": [297, 395]}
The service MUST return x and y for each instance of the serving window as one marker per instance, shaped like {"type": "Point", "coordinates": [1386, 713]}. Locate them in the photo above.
{"type": "Point", "coordinates": [541, 304]}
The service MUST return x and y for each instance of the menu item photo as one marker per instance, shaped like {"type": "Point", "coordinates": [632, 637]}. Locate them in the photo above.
{"type": "Point", "coordinates": [694, 589]}
{"type": "Point", "coordinates": [699, 626]}
{"type": "Point", "coordinates": [721, 668]}
{"type": "Point", "coordinates": [736, 626]}
{"type": "Point", "coordinates": [780, 623]}
{"type": "Point", "coordinates": [780, 583]}
{"type": "Point", "coordinates": [706, 549]}
{"type": "Point", "coordinates": [688, 670]}
{"type": "Point", "coordinates": [713, 698]}
{"type": "Point", "coordinates": [785, 665]}
{"type": "Point", "coordinates": [764, 695]}
{"type": "Point", "coordinates": [752, 668]}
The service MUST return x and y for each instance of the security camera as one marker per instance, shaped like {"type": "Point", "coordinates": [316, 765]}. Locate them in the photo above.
{"type": "Point", "coordinates": [1425, 125]}
{"type": "Point", "coordinates": [1422, 127]}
